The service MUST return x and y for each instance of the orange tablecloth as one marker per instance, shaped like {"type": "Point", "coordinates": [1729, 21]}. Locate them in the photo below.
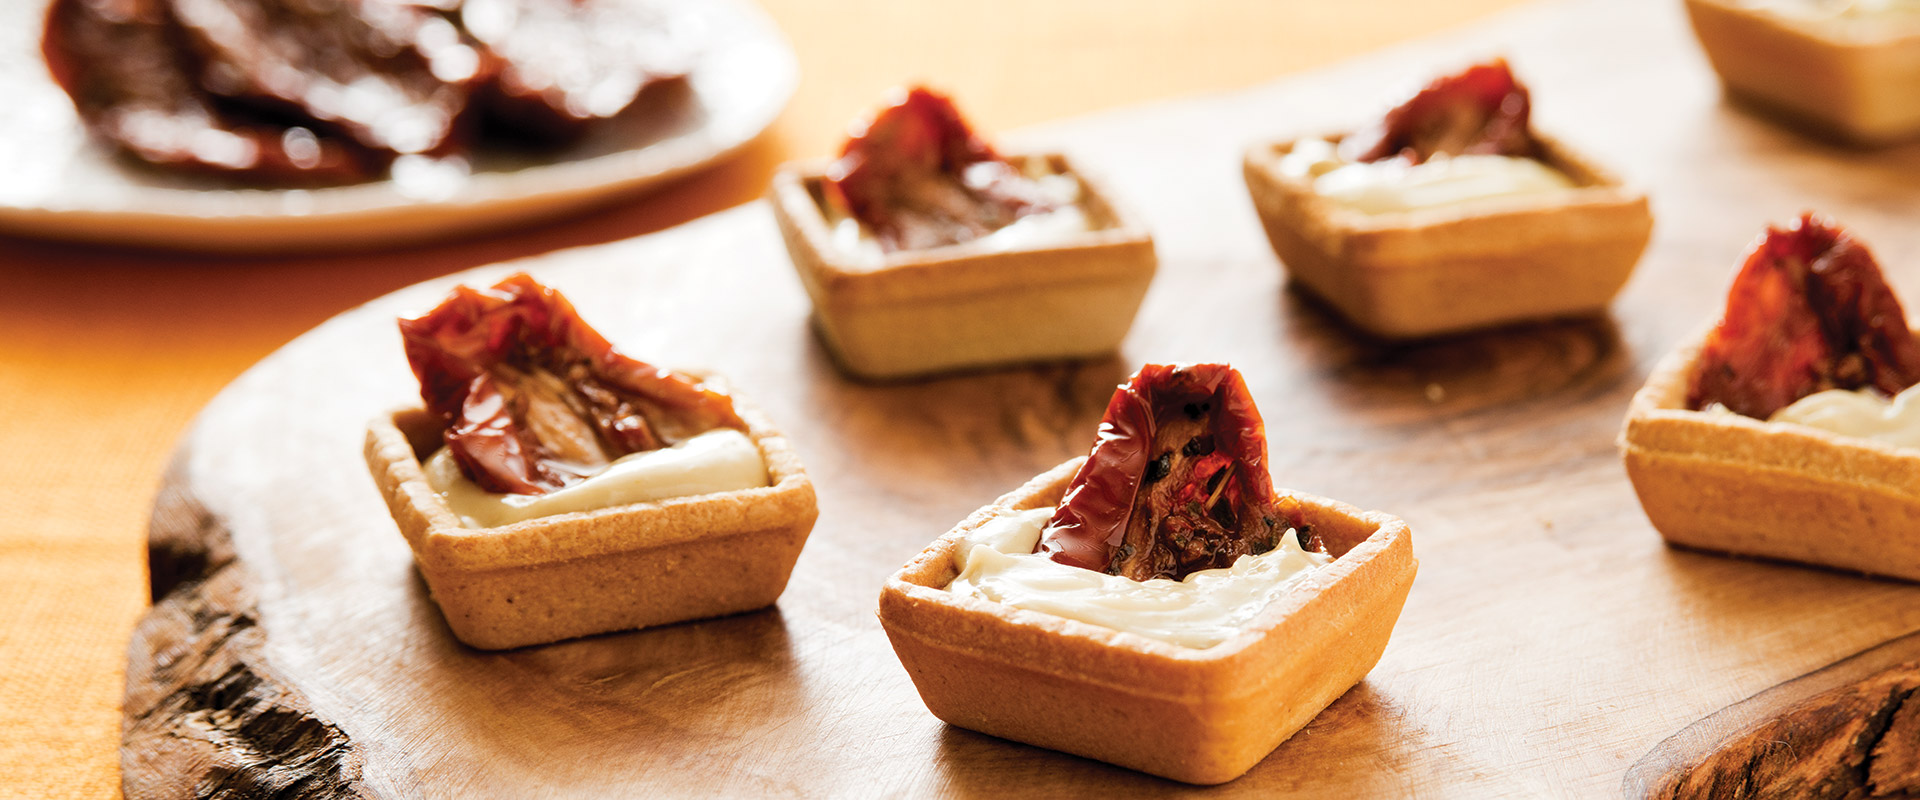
{"type": "Point", "coordinates": [105, 355]}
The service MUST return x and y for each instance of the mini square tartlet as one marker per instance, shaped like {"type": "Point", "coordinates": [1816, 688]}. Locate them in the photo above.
{"type": "Point", "coordinates": [1734, 484]}
{"type": "Point", "coordinates": [610, 569]}
{"type": "Point", "coordinates": [1861, 87]}
{"type": "Point", "coordinates": [1202, 716]}
{"type": "Point", "coordinates": [1473, 264]}
{"type": "Point", "coordinates": [958, 307]}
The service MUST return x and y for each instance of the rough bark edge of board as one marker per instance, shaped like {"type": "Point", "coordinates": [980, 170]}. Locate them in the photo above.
{"type": "Point", "coordinates": [205, 715]}
{"type": "Point", "coordinates": [1847, 730]}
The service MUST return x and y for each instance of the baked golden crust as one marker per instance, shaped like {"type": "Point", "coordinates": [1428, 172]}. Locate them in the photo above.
{"type": "Point", "coordinates": [1735, 484]}
{"type": "Point", "coordinates": [950, 308]}
{"type": "Point", "coordinates": [1199, 716]}
{"type": "Point", "coordinates": [1861, 88]}
{"type": "Point", "coordinates": [617, 568]}
{"type": "Point", "coordinates": [1468, 265]}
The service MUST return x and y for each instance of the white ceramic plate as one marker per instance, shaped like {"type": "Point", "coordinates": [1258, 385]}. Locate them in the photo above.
{"type": "Point", "coordinates": [57, 182]}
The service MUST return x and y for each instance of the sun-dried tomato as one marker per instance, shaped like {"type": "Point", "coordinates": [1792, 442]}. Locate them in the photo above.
{"type": "Point", "coordinates": [1808, 311]}
{"type": "Point", "coordinates": [1482, 110]}
{"type": "Point", "coordinates": [319, 92]}
{"type": "Point", "coordinates": [1177, 481]}
{"type": "Point", "coordinates": [391, 76]}
{"type": "Point", "coordinates": [563, 67]}
{"type": "Point", "coordinates": [917, 177]}
{"type": "Point", "coordinates": [535, 399]}
{"type": "Point", "coordinates": [118, 61]}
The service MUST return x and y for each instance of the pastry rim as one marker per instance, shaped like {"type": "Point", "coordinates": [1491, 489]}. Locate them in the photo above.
{"type": "Point", "coordinates": [1819, 31]}
{"type": "Point", "coordinates": [1657, 415]}
{"type": "Point", "coordinates": [1830, 78]}
{"type": "Point", "coordinates": [959, 267]}
{"type": "Point", "coordinates": [440, 541]}
{"type": "Point", "coordinates": [1596, 187]}
{"type": "Point", "coordinates": [1461, 266]}
{"type": "Point", "coordinates": [1202, 667]}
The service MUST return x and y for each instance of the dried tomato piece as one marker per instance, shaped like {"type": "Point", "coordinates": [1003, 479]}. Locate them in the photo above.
{"type": "Point", "coordinates": [1808, 311]}
{"type": "Point", "coordinates": [117, 60]}
{"type": "Point", "coordinates": [917, 177]}
{"type": "Point", "coordinates": [1177, 481]}
{"type": "Point", "coordinates": [389, 75]}
{"type": "Point", "coordinates": [534, 399]}
{"type": "Point", "coordinates": [1482, 110]}
{"type": "Point", "coordinates": [562, 66]}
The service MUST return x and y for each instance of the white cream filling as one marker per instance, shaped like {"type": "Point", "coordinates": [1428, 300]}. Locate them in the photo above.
{"type": "Point", "coordinates": [719, 460]}
{"type": "Point", "coordinates": [1862, 413]}
{"type": "Point", "coordinates": [996, 562]}
{"type": "Point", "coordinates": [1384, 187]}
{"type": "Point", "coordinates": [1065, 222]}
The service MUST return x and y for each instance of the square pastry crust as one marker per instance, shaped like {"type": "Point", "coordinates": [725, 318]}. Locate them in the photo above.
{"type": "Point", "coordinates": [1202, 716]}
{"type": "Point", "coordinates": [1469, 265]}
{"type": "Point", "coordinates": [1735, 484]}
{"type": "Point", "coordinates": [1860, 86]}
{"type": "Point", "coordinates": [959, 307]}
{"type": "Point", "coordinates": [611, 569]}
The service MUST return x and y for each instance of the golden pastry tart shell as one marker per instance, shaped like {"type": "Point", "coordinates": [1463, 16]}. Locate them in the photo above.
{"type": "Point", "coordinates": [1858, 86]}
{"type": "Point", "coordinates": [1467, 265]}
{"type": "Point", "coordinates": [1734, 484]}
{"type": "Point", "coordinates": [1199, 716]}
{"type": "Point", "coordinates": [610, 569]}
{"type": "Point", "coordinates": [957, 307]}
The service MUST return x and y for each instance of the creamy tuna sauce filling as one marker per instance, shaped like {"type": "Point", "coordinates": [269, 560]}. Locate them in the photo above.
{"type": "Point", "coordinates": [719, 460]}
{"type": "Point", "coordinates": [1861, 413]}
{"type": "Point", "coordinates": [1384, 187]}
{"type": "Point", "coordinates": [996, 562]}
{"type": "Point", "coordinates": [1065, 222]}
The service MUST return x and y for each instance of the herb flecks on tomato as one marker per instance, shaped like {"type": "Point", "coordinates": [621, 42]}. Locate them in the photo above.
{"type": "Point", "coordinates": [918, 177]}
{"type": "Point", "coordinates": [1482, 110]}
{"type": "Point", "coordinates": [534, 399]}
{"type": "Point", "coordinates": [1808, 311]}
{"type": "Point", "coordinates": [1177, 481]}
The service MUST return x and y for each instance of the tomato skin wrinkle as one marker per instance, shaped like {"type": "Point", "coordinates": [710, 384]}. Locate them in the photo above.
{"type": "Point", "coordinates": [531, 396]}
{"type": "Point", "coordinates": [1809, 310]}
{"type": "Point", "coordinates": [1148, 503]}
{"type": "Point", "coordinates": [918, 176]}
{"type": "Point", "coordinates": [1482, 110]}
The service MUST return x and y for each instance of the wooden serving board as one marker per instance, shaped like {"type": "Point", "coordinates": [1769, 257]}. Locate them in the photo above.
{"type": "Point", "coordinates": [1552, 645]}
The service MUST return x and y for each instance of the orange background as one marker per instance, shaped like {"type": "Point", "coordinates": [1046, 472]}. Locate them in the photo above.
{"type": "Point", "coordinates": [106, 354]}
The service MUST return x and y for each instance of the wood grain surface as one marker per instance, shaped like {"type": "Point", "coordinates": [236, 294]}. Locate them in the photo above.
{"type": "Point", "coordinates": [1550, 643]}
